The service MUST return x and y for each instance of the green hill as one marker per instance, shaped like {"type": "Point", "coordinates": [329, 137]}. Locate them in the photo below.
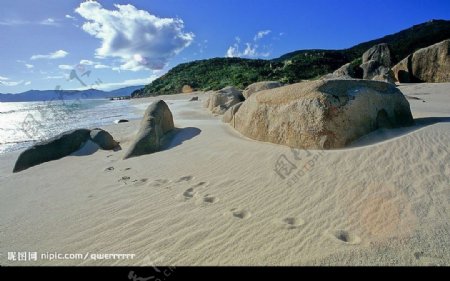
{"type": "Point", "coordinates": [216, 73]}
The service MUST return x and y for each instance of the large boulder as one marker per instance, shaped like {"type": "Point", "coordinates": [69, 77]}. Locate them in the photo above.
{"type": "Point", "coordinates": [103, 139]}
{"type": "Point", "coordinates": [376, 64]}
{"type": "Point", "coordinates": [228, 117]}
{"type": "Point", "coordinates": [52, 149]}
{"type": "Point", "coordinates": [431, 64]}
{"type": "Point", "coordinates": [157, 122]}
{"type": "Point", "coordinates": [186, 89]}
{"type": "Point", "coordinates": [344, 72]}
{"type": "Point", "coordinates": [260, 86]}
{"type": "Point", "coordinates": [219, 102]}
{"type": "Point", "coordinates": [322, 114]}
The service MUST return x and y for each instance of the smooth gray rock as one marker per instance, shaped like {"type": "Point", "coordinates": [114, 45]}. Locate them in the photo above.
{"type": "Point", "coordinates": [52, 149]}
{"type": "Point", "coordinates": [376, 64]}
{"type": "Point", "coordinates": [103, 139]}
{"type": "Point", "coordinates": [157, 122]}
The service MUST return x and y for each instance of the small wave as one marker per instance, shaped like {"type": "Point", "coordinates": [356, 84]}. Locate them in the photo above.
{"type": "Point", "coordinates": [111, 116]}
{"type": "Point", "coordinates": [17, 142]}
{"type": "Point", "coordinates": [8, 112]}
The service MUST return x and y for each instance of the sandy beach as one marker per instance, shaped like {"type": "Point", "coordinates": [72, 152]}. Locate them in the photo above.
{"type": "Point", "coordinates": [213, 197]}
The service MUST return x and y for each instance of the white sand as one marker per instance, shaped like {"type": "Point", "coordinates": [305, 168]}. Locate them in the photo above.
{"type": "Point", "coordinates": [213, 197]}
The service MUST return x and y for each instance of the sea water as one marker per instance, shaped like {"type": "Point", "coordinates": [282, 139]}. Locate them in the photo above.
{"type": "Point", "coordinates": [24, 123]}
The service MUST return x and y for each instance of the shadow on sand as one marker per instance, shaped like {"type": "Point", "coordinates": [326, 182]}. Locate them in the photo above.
{"type": "Point", "coordinates": [180, 135]}
{"type": "Point", "coordinates": [382, 135]}
{"type": "Point", "coordinates": [90, 148]}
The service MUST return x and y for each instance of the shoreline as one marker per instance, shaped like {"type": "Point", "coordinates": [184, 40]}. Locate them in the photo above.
{"type": "Point", "coordinates": [214, 199]}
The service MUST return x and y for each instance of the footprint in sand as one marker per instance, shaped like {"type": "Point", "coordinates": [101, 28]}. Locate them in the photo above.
{"type": "Point", "coordinates": [189, 193]}
{"type": "Point", "coordinates": [159, 182]}
{"type": "Point", "coordinates": [292, 222]}
{"type": "Point", "coordinates": [200, 184]}
{"type": "Point", "coordinates": [109, 169]}
{"type": "Point", "coordinates": [124, 179]}
{"type": "Point", "coordinates": [209, 199]}
{"type": "Point", "coordinates": [345, 237]}
{"type": "Point", "coordinates": [427, 260]}
{"type": "Point", "coordinates": [240, 214]}
{"type": "Point", "coordinates": [140, 182]}
{"type": "Point", "coordinates": [185, 178]}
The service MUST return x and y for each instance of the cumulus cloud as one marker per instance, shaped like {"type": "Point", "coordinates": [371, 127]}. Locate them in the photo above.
{"type": "Point", "coordinates": [261, 34]}
{"type": "Point", "coordinates": [250, 49]}
{"type": "Point", "coordinates": [55, 55]}
{"type": "Point", "coordinates": [139, 39]}
{"type": "Point", "coordinates": [3, 78]}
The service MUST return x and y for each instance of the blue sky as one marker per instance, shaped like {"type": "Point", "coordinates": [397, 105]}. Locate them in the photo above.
{"type": "Point", "coordinates": [112, 44]}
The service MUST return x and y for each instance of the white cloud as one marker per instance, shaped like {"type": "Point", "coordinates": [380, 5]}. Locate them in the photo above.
{"type": "Point", "coordinates": [261, 34]}
{"type": "Point", "coordinates": [18, 22]}
{"type": "Point", "coordinates": [139, 39]}
{"type": "Point", "coordinates": [101, 66]}
{"type": "Point", "coordinates": [233, 51]}
{"type": "Point", "coordinates": [95, 64]}
{"type": "Point", "coordinates": [55, 55]}
{"type": "Point", "coordinates": [5, 81]}
{"type": "Point", "coordinates": [11, 83]}
{"type": "Point", "coordinates": [27, 65]}
{"type": "Point", "coordinates": [202, 46]}
{"type": "Point", "coordinates": [70, 17]}
{"type": "Point", "coordinates": [13, 22]}
{"type": "Point", "coordinates": [65, 67]}
{"type": "Point", "coordinates": [55, 77]}
{"type": "Point", "coordinates": [49, 21]}
{"type": "Point", "coordinates": [251, 50]}
{"type": "Point", "coordinates": [87, 62]}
